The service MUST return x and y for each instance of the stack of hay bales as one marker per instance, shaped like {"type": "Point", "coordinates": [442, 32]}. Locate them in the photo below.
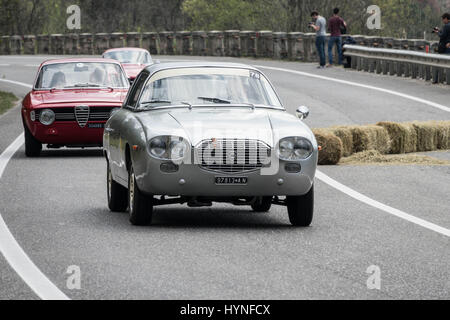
{"type": "Point", "coordinates": [331, 145]}
{"type": "Point", "coordinates": [384, 138]}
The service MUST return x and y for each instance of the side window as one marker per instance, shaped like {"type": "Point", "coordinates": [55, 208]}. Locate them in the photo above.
{"type": "Point", "coordinates": [136, 90]}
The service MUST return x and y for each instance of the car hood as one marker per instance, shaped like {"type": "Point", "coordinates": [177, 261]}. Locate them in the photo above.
{"type": "Point", "coordinates": [197, 125]}
{"type": "Point", "coordinates": [132, 70]}
{"type": "Point", "coordinates": [79, 96]}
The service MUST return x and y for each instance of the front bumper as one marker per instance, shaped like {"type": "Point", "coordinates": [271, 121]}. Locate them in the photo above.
{"type": "Point", "coordinates": [192, 180]}
{"type": "Point", "coordinates": [68, 133]}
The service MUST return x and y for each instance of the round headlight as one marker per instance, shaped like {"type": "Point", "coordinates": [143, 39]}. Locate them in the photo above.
{"type": "Point", "coordinates": [294, 149]}
{"type": "Point", "coordinates": [158, 147]}
{"type": "Point", "coordinates": [302, 148]}
{"type": "Point", "coordinates": [286, 149]}
{"type": "Point", "coordinates": [178, 150]}
{"type": "Point", "coordinates": [114, 111]}
{"type": "Point", "coordinates": [47, 117]}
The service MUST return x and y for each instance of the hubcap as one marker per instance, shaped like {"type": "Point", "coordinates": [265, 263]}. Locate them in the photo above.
{"type": "Point", "coordinates": [131, 191]}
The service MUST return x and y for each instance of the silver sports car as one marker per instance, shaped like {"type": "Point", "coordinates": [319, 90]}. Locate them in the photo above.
{"type": "Point", "coordinates": [198, 133]}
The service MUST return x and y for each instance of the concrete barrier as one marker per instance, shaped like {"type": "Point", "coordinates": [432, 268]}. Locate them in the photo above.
{"type": "Point", "coordinates": [71, 44]}
{"type": "Point", "coordinates": [199, 39]}
{"type": "Point", "coordinates": [166, 42]}
{"type": "Point", "coordinates": [117, 40]}
{"type": "Point", "coordinates": [86, 43]}
{"type": "Point", "coordinates": [5, 46]}
{"type": "Point", "coordinates": [248, 43]}
{"type": "Point", "coordinates": [280, 45]}
{"type": "Point", "coordinates": [216, 46]}
{"type": "Point", "coordinates": [133, 39]}
{"type": "Point", "coordinates": [296, 47]}
{"type": "Point", "coordinates": [29, 44]}
{"type": "Point", "coordinates": [43, 44]}
{"type": "Point", "coordinates": [57, 44]}
{"type": "Point", "coordinates": [16, 44]}
{"type": "Point", "coordinates": [102, 42]}
{"type": "Point", "coordinates": [149, 42]}
{"type": "Point", "coordinates": [265, 44]}
{"type": "Point", "coordinates": [232, 43]}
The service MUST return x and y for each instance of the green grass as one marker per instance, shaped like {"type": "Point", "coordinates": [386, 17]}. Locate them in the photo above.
{"type": "Point", "coordinates": [7, 101]}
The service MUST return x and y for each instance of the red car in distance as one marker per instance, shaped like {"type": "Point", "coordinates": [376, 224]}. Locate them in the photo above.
{"type": "Point", "coordinates": [133, 60]}
{"type": "Point", "coordinates": [71, 101]}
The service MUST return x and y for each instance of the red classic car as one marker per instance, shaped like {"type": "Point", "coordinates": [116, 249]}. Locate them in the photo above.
{"type": "Point", "coordinates": [133, 59]}
{"type": "Point", "coordinates": [70, 103]}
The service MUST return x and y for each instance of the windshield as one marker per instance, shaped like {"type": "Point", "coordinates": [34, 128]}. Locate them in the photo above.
{"type": "Point", "coordinates": [74, 75]}
{"type": "Point", "coordinates": [208, 86]}
{"type": "Point", "coordinates": [130, 57]}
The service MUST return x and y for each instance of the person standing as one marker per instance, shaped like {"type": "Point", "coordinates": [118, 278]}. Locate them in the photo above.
{"type": "Point", "coordinates": [320, 26]}
{"type": "Point", "coordinates": [444, 35]}
{"type": "Point", "coordinates": [336, 24]}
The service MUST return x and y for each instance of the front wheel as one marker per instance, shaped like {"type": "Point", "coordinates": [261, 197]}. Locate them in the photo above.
{"type": "Point", "coordinates": [140, 205]}
{"type": "Point", "coordinates": [33, 147]}
{"type": "Point", "coordinates": [301, 209]}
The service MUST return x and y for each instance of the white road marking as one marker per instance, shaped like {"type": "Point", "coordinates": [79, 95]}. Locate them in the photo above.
{"type": "Point", "coordinates": [4, 65]}
{"type": "Point", "coordinates": [26, 85]}
{"type": "Point", "coordinates": [14, 254]}
{"type": "Point", "coordinates": [403, 95]}
{"type": "Point", "coordinates": [32, 65]}
{"type": "Point", "coordinates": [362, 198]}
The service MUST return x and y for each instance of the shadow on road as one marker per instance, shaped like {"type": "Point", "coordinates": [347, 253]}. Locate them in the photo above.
{"type": "Point", "coordinates": [205, 218]}
{"type": "Point", "coordinates": [65, 153]}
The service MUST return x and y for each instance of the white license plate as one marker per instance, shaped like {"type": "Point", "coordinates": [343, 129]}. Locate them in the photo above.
{"type": "Point", "coordinates": [232, 180]}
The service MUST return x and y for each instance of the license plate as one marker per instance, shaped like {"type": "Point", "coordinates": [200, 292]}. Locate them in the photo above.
{"type": "Point", "coordinates": [232, 180]}
{"type": "Point", "coordinates": [96, 125]}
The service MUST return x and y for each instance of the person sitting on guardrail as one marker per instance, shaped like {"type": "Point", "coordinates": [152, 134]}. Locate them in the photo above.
{"type": "Point", "coordinates": [320, 26]}
{"type": "Point", "coordinates": [335, 25]}
{"type": "Point", "coordinates": [444, 35]}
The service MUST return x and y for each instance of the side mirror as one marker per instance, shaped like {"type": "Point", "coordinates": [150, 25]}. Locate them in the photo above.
{"type": "Point", "coordinates": [302, 112]}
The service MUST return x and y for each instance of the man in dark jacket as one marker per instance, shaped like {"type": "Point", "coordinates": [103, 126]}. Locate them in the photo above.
{"type": "Point", "coordinates": [335, 24]}
{"type": "Point", "coordinates": [444, 34]}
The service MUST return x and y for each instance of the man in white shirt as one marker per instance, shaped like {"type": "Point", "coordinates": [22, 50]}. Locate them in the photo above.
{"type": "Point", "coordinates": [320, 26]}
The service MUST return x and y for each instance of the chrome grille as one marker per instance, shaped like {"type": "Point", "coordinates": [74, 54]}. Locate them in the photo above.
{"type": "Point", "coordinates": [232, 155]}
{"type": "Point", "coordinates": [96, 114]}
{"type": "Point", "coordinates": [82, 115]}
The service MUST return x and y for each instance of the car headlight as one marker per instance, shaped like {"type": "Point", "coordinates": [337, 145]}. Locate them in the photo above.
{"type": "Point", "coordinates": [168, 148]}
{"type": "Point", "coordinates": [294, 149]}
{"type": "Point", "coordinates": [114, 111]}
{"type": "Point", "coordinates": [47, 117]}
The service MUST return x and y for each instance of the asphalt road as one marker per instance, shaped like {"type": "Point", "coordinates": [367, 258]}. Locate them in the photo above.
{"type": "Point", "coordinates": [55, 206]}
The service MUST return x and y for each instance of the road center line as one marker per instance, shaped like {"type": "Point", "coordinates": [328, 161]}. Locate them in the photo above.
{"type": "Point", "coordinates": [395, 93]}
{"type": "Point", "coordinates": [14, 254]}
{"type": "Point", "coordinates": [26, 85]}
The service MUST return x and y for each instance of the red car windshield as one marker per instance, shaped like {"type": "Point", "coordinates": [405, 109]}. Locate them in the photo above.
{"type": "Point", "coordinates": [130, 57]}
{"type": "Point", "coordinates": [81, 75]}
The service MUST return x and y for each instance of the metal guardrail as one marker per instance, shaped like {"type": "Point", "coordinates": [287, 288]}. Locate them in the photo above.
{"type": "Point", "coordinates": [427, 66]}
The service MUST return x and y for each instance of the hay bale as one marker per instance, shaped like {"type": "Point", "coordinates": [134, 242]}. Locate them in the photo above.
{"type": "Point", "coordinates": [427, 137]}
{"type": "Point", "coordinates": [370, 138]}
{"type": "Point", "coordinates": [442, 134]}
{"type": "Point", "coordinates": [403, 137]}
{"type": "Point", "coordinates": [331, 152]}
{"type": "Point", "coordinates": [345, 134]}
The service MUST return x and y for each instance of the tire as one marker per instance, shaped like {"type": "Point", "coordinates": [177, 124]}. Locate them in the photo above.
{"type": "Point", "coordinates": [117, 195]}
{"type": "Point", "coordinates": [263, 206]}
{"type": "Point", "coordinates": [140, 205]}
{"type": "Point", "coordinates": [33, 147]}
{"type": "Point", "coordinates": [301, 209]}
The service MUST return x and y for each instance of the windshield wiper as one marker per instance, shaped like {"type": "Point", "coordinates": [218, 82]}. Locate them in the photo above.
{"type": "Point", "coordinates": [154, 101]}
{"type": "Point", "coordinates": [84, 85]}
{"type": "Point", "coordinates": [214, 100]}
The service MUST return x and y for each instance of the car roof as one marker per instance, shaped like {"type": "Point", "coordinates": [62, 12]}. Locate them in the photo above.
{"type": "Point", "coordinates": [156, 67]}
{"type": "Point", "coordinates": [79, 60]}
{"type": "Point", "coordinates": [125, 49]}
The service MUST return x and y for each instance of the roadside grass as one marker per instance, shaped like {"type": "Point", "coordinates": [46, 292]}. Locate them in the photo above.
{"type": "Point", "coordinates": [7, 101]}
